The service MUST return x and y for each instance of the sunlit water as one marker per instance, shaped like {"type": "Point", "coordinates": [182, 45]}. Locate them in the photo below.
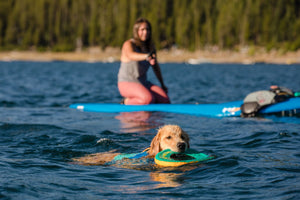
{"type": "Point", "coordinates": [256, 158]}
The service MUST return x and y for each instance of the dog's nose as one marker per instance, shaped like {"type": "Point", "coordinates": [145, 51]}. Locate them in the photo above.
{"type": "Point", "coordinates": [181, 146]}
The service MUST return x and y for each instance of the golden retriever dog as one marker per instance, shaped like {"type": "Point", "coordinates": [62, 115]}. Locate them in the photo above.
{"type": "Point", "coordinates": [168, 137]}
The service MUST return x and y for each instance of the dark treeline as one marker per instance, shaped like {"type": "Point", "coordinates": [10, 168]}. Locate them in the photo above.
{"type": "Point", "coordinates": [63, 25]}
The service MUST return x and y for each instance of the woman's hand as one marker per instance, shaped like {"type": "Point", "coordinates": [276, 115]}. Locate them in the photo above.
{"type": "Point", "coordinates": [151, 59]}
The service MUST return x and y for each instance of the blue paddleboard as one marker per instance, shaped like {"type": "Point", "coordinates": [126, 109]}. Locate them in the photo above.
{"type": "Point", "coordinates": [229, 109]}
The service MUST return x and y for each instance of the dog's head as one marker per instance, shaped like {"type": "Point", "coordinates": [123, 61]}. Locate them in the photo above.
{"type": "Point", "coordinates": [169, 137]}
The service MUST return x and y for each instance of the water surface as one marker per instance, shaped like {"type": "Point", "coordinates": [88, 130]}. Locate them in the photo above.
{"type": "Point", "coordinates": [256, 158]}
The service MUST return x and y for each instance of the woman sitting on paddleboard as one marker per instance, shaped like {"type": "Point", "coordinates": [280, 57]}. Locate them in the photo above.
{"type": "Point", "coordinates": [137, 55]}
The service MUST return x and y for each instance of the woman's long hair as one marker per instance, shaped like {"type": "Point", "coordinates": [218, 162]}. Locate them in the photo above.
{"type": "Point", "coordinates": [144, 46]}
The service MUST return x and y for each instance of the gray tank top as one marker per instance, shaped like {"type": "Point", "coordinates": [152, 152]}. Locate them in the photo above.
{"type": "Point", "coordinates": [134, 71]}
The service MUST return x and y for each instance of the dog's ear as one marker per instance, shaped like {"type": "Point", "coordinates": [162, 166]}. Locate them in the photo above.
{"type": "Point", "coordinates": [155, 145]}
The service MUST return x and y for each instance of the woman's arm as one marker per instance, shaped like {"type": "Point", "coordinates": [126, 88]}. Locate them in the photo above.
{"type": "Point", "coordinates": [128, 54]}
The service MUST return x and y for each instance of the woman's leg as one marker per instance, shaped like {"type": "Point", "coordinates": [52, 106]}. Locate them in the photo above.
{"type": "Point", "coordinates": [159, 94]}
{"type": "Point", "coordinates": [135, 93]}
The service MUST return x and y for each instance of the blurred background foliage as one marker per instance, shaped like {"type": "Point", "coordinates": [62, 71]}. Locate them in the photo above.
{"type": "Point", "coordinates": [64, 25]}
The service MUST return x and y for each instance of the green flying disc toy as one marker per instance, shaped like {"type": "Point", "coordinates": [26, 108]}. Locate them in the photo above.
{"type": "Point", "coordinates": [168, 158]}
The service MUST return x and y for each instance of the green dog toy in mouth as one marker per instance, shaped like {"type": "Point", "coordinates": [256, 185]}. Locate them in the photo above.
{"type": "Point", "coordinates": [168, 158]}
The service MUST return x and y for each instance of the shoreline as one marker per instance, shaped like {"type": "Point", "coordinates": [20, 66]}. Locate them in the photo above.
{"type": "Point", "coordinates": [95, 54]}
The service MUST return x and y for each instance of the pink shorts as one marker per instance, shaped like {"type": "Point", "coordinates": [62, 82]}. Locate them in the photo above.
{"type": "Point", "coordinates": [138, 94]}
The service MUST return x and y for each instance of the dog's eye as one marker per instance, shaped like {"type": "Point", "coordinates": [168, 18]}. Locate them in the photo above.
{"type": "Point", "coordinates": [169, 137]}
{"type": "Point", "coordinates": [182, 137]}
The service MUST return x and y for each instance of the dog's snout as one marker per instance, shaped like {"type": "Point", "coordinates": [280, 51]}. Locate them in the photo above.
{"type": "Point", "coordinates": [181, 146]}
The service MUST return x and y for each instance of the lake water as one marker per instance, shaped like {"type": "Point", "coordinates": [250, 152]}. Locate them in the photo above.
{"type": "Point", "coordinates": [256, 158]}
